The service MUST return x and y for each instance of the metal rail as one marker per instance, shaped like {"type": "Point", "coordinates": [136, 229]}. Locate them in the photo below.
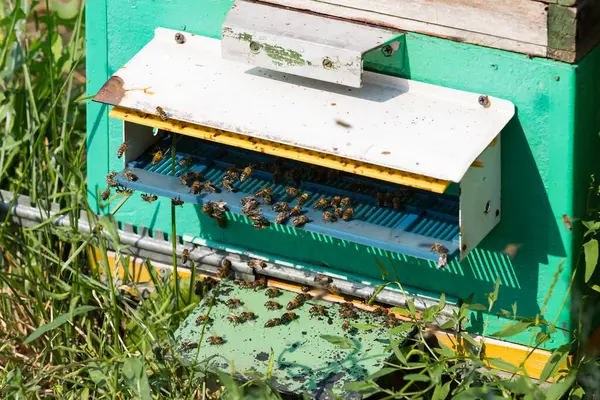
{"type": "Point", "coordinates": [207, 260]}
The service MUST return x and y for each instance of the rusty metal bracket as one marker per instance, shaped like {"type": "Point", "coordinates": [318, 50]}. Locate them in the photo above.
{"type": "Point", "coordinates": [302, 44]}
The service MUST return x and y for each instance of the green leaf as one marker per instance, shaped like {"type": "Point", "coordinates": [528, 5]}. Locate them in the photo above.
{"type": "Point", "coordinates": [397, 351]}
{"type": "Point", "coordinates": [109, 225]}
{"type": "Point", "coordinates": [400, 310]}
{"type": "Point", "coordinates": [448, 325]}
{"type": "Point", "coordinates": [472, 393]}
{"type": "Point", "coordinates": [416, 377]}
{"type": "Point", "coordinates": [441, 391]}
{"type": "Point", "coordinates": [442, 302]}
{"type": "Point", "coordinates": [577, 393]}
{"type": "Point", "coordinates": [411, 307]}
{"type": "Point", "coordinates": [592, 227]}
{"type": "Point", "coordinates": [470, 339]}
{"type": "Point", "coordinates": [429, 313]}
{"type": "Point", "coordinates": [382, 372]}
{"type": "Point", "coordinates": [361, 387]}
{"type": "Point", "coordinates": [477, 307]}
{"type": "Point", "coordinates": [492, 297]}
{"type": "Point", "coordinates": [504, 365]}
{"type": "Point", "coordinates": [557, 390]}
{"type": "Point", "coordinates": [541, 337]}
{"type": "Point", "coordinates": [401, 328]}
{"type": "Point", "coordinates": [558, 358]}
{"type": "Point", "coordinates": [384, 273]}
{"type": "Point", "coordinates": [136, 378]}
{"type": "Point", "coordinates": [511, 329]}
{"type": "Point", "coordinates": [596, 288]}
{"type": "Point", "coordinates": [98, 372]}
{"type": "Point", "coordinates": [58, 321]}
{"type": "Point", "coordinates": [363, 327]}
{"type": "Point", "coordinates": [445, 350]}
{"type": "Point", "coordinates": [591, 258]}
{"type": "Point", "coordinates": [339, 341]}
{"type": "Point", "coordinates": [377, 291]}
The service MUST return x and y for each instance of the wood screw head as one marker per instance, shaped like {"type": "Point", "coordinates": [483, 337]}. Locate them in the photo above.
{"type": "Point", "coordinates": [179, 38]}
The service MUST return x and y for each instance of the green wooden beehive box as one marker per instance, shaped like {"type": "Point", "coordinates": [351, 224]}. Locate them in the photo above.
{"type": "Point", "coordinates": [413, 139]}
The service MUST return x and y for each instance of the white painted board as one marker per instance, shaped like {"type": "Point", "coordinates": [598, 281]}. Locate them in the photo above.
{"type": "Point", "coordinates": [392, 122]}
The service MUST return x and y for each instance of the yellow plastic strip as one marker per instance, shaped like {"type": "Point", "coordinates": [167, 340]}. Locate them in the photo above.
{"type": "Point", "coordinates": [282, 150]}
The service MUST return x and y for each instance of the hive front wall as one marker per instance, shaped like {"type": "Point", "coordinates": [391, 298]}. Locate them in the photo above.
{"type": "Point", "coordinates": [538, 169]}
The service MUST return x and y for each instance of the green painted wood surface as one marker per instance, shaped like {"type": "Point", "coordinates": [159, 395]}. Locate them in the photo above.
{"type": "Point", "coordinates": [543, 172]}
{"type": "Point", "coordinates": [302, 361]}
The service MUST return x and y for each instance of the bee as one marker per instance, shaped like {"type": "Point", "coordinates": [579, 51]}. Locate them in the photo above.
{"type": "Point", "coordinates": [273, 322]}
{"type": "Point", "coordinates": [443, 260]}
{"type": "Point", "coordinates": [272, 305]}
{"type": "Point", "coordinates": [224, 270]}
{"type": "Point", "coordinates": [161, 114]}
{"type": "Point", "coordinates": [186, 162]}
{"type": "Point", "coordinates": [110, 180]}
{"type": "Point", "coordinates": [288, 317]}
{"type": "Point", "coordinates": [305, 289]}
{"type": "Point", "coordinates": [323, 279]}
{"type": "Point", "coordinates": [380, 199]}
{"type": "Point", "coordinates": [185, 256]}
{"type": "Point", "coordinates": [391, 322]}
{"type": "Point", "coordinates": [225, 263]}
{"type": "Point", "coordinates": [335, 201]}
{"type": "Point", "coordinates": [105, 194]}
{"type": "Point", "coordinates": [282, 217]}
{"type": "Point", "coordinates": [130, 176]}
{"type": "Point", "coordinates": [300, 221]}
{"type": "Point", "coordinates": [346, 325]}
{"type": "Point", "coordinates": [233, 303]}
{"type": "Point", "coordinates": [122, 150]}
{"type": "Point", "coordinates": [195, 187]}
{"type": "Point", "coordinates": [260, 283]}
{"type": "Point", "coordinates": [255, 263]}
{"type": "Point", "coordinates": [264, 192]}
{"type": "Point", "coordinates": [215, 340]}
{"type": "Point", "coordinates": [207, 208]}
{"type": "Point", "coordinates": [248, 315]}
{"type": "Point", "coordinates": [249, 201]}
{"type": "Point", "coordinates": [220, 206]}
{"type": "Point", "coordinates": [176, 202]}
{"type": "Point", "coordinates": [295, 211]}
{"type": "Point", "coordinates": [188, 344]}
{"type": "Point", "coordinates": [387, 199]}
{"type": "Point", "coordinates": [184, 180]}
{"type": "Point", "coordinates": [228, 184]}
{"type": "Point", "coordinates": [346, 201]}
{"type": "Point", "coordinates": [338, 212]}
{"type": "Point", "coordinates": [292, 191]}
{"type": "Point", "coordinates": [568, 221]}
{"type": "Point", "coordinates": [348, 213]}
{"type": "Point", "coordinates": [302, 199]}
{"type": "Point", "coordinates": [235, 319]}
{"type": "Point", "coordinates": [246, 173]}
{"type": "Point", "coordinates": [294, 303]}
{"type": "Point", "coordinates": [283, 206]}
{"type": "Point", "coordinates": [267, 199]}
{"type": "Point", "coordinates": [157, 157]}
{"type": "Point", "coordinates": [322, 203]}
{"type": "Point", "coordinates": [333, 289]}
{"type": "Point", "coordinates": [396, 203]}
{"type": "Point", "coordinates": [273, 292]}
{"type": "Point", "coordinates": [380, 312]}
{"type": "Point", "coordinates": [303, 297]}
{"type": "Point", "coordinates": [261, 223]}
{"type": "Point", "coordinates": [149, 198]}
{"type": "Point", "coordinates": [347, 305]}
{"type": "Point", "coordinates": [209, 187]}
{"type": "Point", "coordinates": [329, 217]}
{"type": "Point", "coordinates": [348, 313]}
{"type": "Point", "coordinates": [438, 248]}
{"type": "Point", "coordinates": [124, 191]}
{"type": "Point", "coordinates": [232, 173]}
{"type": "Point", "coordinates": [317, 311]}
{"type": "Point", "coordinates": [202, 319]}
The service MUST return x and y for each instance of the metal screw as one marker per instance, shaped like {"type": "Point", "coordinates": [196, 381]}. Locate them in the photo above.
{"type": "Point", "coordinates": [179, 38]}
{"type": "Point", "coordinates": [387, 50]}
{"type": "Point", "coordinates": [327, 63]}
{"type": "Point", "coordinates": [254, 47]}
{"type": "Point", "coordinates": [484, 101]}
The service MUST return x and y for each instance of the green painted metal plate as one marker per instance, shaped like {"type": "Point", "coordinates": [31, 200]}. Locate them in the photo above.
{"type": "Point", "coordinates": [302, 360]}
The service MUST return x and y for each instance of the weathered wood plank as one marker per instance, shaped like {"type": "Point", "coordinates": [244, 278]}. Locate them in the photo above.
{"type": "Point", "coordinates": [423, 26]}
{"type": "Point", "coordinates": [524, 21]}
{"type": "Point", "coordinates": [573, 31]}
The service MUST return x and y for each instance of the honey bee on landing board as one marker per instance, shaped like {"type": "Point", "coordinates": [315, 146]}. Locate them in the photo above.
{"type": "Point", "coordinates": [255, 263]}
{"type": "Point", "coordinates": [215, 340]}
{"type": "Point", "coordinates": [248, 315]}
{"type": "Point", "coordinates": [348, 213]}
{"type": "Point", "coordinates": [328, 216]}
{"type": "Point", "coordinates": [346, 201]}
{"type": "Point", "coordinates": [185, 256]}
{"type": "Point", "coordinates": [176, 202]}
{"type": "Point", "coordinates": [110, 179]}
{"type": "Point", "coordinates": [273, 292]}
{"type": "Point", "coordinates": [209, 187]}
{"type": "Point", "coordinates": [273, 322]}
{"type": "Point", "coordinates": [291, 191]}
{"type": "Point", "coordinates": [272, 305]}
{"type": "Point", "coordinates": [282, 217]}
{"type": "Point", "coordinates": [228, 184]}
{"type": "Point", "coordinates": [246, 173]}
{"type": "Point", "coordinates": [288, 317]}
{"type": "Point", "coordinates": [186, 162]}
{"type": "Point", "coordinates": [335, 201]}
{"type": "Point", "coordinates": [233, 303]}
{"type": "Point", "coordinates": [322, 203]}
{"type": "Point", "coordinates": [195, 187]}
{"type": "Point", "coordinates": [157, 157]}
{"type": "Point", "coordinates": [438, 248]}
{"type": "Point", "coordinates": [295, 211]}
{"type": "Point", "coordinates": [130, 176]}
{"type": "Point", "coordinates": [302, 199]}
{"type": "Point", "coordinates": [264, 192]}
{"type": "Point", "coordinates": [282, 206]}
{"type": "Point", "coordinates": [300, 221]}
{"type": "Point", "coordinates": [338, 212]}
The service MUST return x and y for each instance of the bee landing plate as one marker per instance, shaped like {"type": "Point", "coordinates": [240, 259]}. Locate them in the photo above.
{"type": "Point", "coordinates": [391, 129]}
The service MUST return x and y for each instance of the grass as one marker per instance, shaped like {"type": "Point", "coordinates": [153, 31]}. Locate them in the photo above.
{"type": "Point", "coordinates": [67, 332]}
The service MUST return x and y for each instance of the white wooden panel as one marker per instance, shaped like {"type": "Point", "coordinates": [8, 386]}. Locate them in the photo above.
{"type": "Point", "coordinates": [480, 197]}
{"type": "Point", "coordinates": [392, 122]}
{"type": "Point", "coordinates": [533, 44]}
